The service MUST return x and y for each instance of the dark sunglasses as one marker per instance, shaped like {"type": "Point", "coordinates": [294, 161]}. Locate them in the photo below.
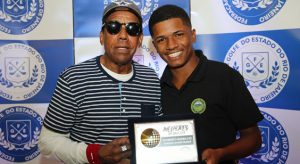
{"type": "Point", "coordinates": [114, 27]}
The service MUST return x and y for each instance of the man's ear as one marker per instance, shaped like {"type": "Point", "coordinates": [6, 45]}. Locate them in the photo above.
{"type": "Point", "coordinates": [154, 44]}
{"type": "Point", "coordinates": [101, 37]}
{"type": "Point", "coordinates": [140, 40]}
{"type": "Point", "coordinates": [194, 36]}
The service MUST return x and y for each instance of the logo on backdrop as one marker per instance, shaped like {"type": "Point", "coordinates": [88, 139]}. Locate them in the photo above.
{"type": "Point", "coordinates": [22, 71]}
{"type": "Point", "coordinates": [147, 56]}
{"type": "Point", "coordinates": [20, 128]}
{"type": "Point", "coordinates": [20, 16]}
{"type": "Point", "coordinates": [253, 12]}
{"type": "Point", "coordinates": [275, 146]}
{"type": "Point", "coordinates": [139, 59]}
{"type": "Point", "coordinates": [146, 7]}
{"type": "Point", "coordinates": [263, 64]}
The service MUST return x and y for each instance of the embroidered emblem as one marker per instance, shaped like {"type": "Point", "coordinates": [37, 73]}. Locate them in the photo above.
{"type": "Point", "coordinates": [198, 106]}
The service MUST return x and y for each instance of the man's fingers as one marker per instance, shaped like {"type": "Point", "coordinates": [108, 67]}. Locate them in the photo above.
{"type": "Point", "coordinates": [116, 150]}
{"type": "Point", "coordinates": [121, 141]}
{"type": "Point", "coordinates": [126, 154]}
{"type": "Point", "coordinates": [123, 148]}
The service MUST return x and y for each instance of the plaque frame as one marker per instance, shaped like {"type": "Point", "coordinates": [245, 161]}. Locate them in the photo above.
{"type": "Point", "coordinates": [147, 121]}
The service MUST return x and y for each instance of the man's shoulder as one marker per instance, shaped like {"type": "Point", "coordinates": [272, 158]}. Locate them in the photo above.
{"type": "Point", "coordinates": [211, 64]}
{"type": "Point", "coordinates": [145, 72]}
{"type": "Point", "coordinates": [142, 68]}
{"type": "Point", "coordinates": [218, 65]}
{"type": "Point", "coordinates": [81, 67]}
{"type": "Point", "coordinates": [220, 69]}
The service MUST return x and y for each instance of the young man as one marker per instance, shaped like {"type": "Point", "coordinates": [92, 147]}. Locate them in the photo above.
{"type": "Point", "coordinates": [212, 91]}
{"type": "Point", "coordinates": [86, 121]}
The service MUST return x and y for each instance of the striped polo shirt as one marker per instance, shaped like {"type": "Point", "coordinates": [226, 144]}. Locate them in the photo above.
{"type": "Point", "coordinates": [93, 107]}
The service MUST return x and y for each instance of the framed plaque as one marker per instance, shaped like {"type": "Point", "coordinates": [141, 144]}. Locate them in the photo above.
{"type": "Point", "coordinates": [163, 140]}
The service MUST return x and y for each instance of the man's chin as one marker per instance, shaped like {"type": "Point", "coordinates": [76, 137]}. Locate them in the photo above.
{"type": "Point", "coordinates": [174, 65]}
{"type": "Point", "coordinates": [124, 62]}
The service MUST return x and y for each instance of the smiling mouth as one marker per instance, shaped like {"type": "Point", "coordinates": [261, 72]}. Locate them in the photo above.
{"type": "Point", "coordinates": [122, 48]}
{"type": "Point", "coordinates": [173, 55]}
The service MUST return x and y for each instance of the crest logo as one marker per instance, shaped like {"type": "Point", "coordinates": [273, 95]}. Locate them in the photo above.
{"type": "Point", "coordinates": [17, 69]}
{"type": "Point", "coordinates": [275, 146]}
{"type": "Point", "coordinates": [122, 3]}
{"type": "Point", "coordinates": [22, 71]}
{"type": "Point", "coordinates": [20, 128]}
{"type": "Point", "coordinates": [263, 64]}
{"type": "Point", "coordinates": [17, 131]}
{"type": "Point", "coordinates": [20, 16]}
{"type": "Point", "coordinates": [253, 12]}
{"type": "Point", "coordinates": [146, 7]}
{"type": "Point", "coordinates": [255, 65]}
{"type": "Point", "coordinates": [198, 106]}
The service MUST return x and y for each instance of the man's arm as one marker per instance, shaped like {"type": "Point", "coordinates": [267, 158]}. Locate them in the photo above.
{"type": "Point", "coordinates": [249, 142]}
{"type": "Point", "coordinates": [61, 147]}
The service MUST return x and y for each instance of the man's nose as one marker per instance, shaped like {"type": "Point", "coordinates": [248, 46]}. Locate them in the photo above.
{"type": "Point", "coordinates": [123, 35]}
{"type": "Point", "coordinates": [171, 43]}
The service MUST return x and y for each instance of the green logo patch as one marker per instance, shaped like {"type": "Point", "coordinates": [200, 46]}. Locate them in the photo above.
{"type": "Point", "coordinates": [198, 106]}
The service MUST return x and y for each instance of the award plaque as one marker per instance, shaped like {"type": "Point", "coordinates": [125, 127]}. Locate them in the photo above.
{"type": "Point", "coordinates": [163, 140]}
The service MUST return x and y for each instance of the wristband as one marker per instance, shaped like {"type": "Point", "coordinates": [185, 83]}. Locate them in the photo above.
{"type": "Point", "coordinates": [92, 153]}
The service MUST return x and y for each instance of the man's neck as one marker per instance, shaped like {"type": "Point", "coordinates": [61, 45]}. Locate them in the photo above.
{"type": "Point", "coordinates": [119, 69]}
{"type": "Point", "coordinates": [180, 75]}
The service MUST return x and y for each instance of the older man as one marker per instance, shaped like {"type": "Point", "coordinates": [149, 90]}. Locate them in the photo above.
{"type": "Point", "coordinates": [87, 117]}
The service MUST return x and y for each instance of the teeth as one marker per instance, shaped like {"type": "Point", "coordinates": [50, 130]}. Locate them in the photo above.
{"type": "Point", "coordinates": [175, 54]}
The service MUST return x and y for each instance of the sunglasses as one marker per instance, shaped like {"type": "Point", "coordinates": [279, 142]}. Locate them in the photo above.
{"type": "Point", "coordinates": [114, 27]}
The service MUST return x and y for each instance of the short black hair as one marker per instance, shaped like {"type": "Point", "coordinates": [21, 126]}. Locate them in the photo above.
{"type": "Point", "coordinates": [168, 12]}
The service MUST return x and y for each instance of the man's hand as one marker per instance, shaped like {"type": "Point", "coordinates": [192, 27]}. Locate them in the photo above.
{"type": "Point", "coordinates": [211, 156]}
{"type": "Point", "coordinates": [117, 151]}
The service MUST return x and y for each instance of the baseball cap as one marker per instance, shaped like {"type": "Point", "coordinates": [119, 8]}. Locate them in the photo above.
{"type": "Point", "coordinates": [120, 5]}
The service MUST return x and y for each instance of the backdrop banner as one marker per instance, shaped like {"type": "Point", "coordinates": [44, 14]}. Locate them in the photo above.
{"type": "Point", "coordinates": [261, 40]}
{"type": "Point", "coordinates": [40, 38]}
{"type": "Point", "coordinates": [36, 44]}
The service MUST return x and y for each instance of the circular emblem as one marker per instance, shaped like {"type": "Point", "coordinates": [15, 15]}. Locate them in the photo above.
{"type": "Point", "coordinates": [275, 146]}
{"type": "Point", "coordinates": [198, 106]}
{"type": "Point", "coordinates": [20, 128]}
{"type": "Point", "coordinates": [20, 16]}
{"type": "Point", "coordinates": [263, 64]}
{"type": "Point", "coordinates": [253, 12]}
{"type": "Point", "coordinates": [22, 71]}
{"type": "Point", "coordinates": [150, 138]}
{"type": "Point", "coordinates": [146, 7]}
